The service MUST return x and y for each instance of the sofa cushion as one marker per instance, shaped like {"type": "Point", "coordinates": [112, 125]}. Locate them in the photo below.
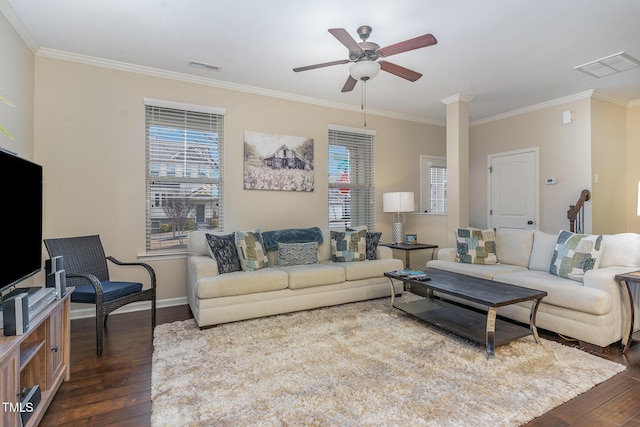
{"type": "Point", "coordinates": [514, 246]}
{"type": "Point", "coordinates": [297, 253]}
{"type": "Point", "coordinates": [370, 269]}
{"type": "Point", "coordinates": [543, 246]}
{"type": "Point", "coordinates": [242, 283]}
{"type": "Point", "coordinates": [251, 251]}
{"type": "Point", "coordinates": [347, 246]}
{"type": "Point", "coordinates": [307, 276]}
{"type": "Point", "coordinates": [621, 249]}
{"type": "Point", "coordinates": [574, 254]}
{"type": "Point", "coordinates": [476, 246]}
{"type": "Point", "coordinates": [562, 292]}
{"type": "Point", "coordinates": [222, 248]}
{"type": "Point", "coordinates": [482, 271]}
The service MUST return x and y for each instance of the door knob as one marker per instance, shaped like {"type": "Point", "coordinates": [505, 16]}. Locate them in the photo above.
{"type": "Point", "coordinates": [530, 222]}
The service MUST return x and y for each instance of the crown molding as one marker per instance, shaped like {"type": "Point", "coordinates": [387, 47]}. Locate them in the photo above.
{"type": "Point", "coordinates": [7, 10]}
{"type": "Point", "coordinates": [456, 98]}
{"type": "Point", "coordinates": [635, 103]}
{"type": "Point", "coordinates": [155, 72]}
{"type": "Point", "coordinates": [536, 107]}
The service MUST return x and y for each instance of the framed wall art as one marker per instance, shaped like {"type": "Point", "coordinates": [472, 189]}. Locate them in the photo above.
{"type": "Point", "coordinates": [277, 162]}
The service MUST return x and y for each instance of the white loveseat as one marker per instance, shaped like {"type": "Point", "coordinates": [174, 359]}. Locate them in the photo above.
{"type": "Point", "coordinates": [591, 311]}
{"type": "Point", "coordinates": [219, 298]}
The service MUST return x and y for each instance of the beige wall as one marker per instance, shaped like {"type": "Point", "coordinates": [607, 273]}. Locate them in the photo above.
{"type": "Point", "coordinates": [564, 154]}
{"type": "Point", "coordinates": [16, 85]}
{"type": "Point", "coordinates": [608, 153]}
{"type": "Point", "coordinates": [632, 167]}
{"type": "Point", "coordinates": [89, 130]}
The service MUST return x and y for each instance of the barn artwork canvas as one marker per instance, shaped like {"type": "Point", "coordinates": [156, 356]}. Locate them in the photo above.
{"type": "Point", "coordinates": [277, 162]}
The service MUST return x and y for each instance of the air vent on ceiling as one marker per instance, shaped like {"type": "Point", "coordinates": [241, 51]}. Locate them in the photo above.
{"type": "Point", "coordinates": [611, 64]}
{"type": "Point", "coordinates": [196, 64]}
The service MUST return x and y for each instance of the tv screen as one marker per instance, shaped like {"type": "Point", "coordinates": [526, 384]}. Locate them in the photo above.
{"type": "Point", "coordinates": [20, 219]}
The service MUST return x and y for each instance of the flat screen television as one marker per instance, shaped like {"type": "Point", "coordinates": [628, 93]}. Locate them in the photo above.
{"type": "Point", "coordinates": [20, 219]}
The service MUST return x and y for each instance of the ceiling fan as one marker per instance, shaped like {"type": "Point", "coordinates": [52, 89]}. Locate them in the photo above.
{"type": "Point", "coordinates": [365, 56]}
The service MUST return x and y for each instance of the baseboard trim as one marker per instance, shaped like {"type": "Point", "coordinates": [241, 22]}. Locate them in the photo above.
{"type": "Point", "coordinates": [82, 313]}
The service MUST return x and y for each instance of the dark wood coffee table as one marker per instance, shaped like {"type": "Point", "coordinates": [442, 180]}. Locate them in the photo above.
{"type": "Point", "coordinates": [464, 321]}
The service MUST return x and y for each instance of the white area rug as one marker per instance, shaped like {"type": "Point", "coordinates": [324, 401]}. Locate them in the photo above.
{"type": "Point", "coordinates": [354, 365]}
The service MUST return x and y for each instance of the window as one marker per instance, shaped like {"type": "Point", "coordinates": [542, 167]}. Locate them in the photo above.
{"type": "Point", "coordinates": [433, 187]}
{"type": "Point", "coordinates": [184, 172]}
{"type": "Point", "coordinates": [351, 178]}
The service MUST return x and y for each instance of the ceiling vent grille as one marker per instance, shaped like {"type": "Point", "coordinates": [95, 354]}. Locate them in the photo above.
{"type": "Point", "coordinates": [202, 65]}
{"type": "Point", "coordinates": [608, 65]}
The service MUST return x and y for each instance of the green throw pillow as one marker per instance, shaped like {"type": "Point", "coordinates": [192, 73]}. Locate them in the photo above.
{"type": "Point", "coordinates": [253, 255]}
{"type": "Point", "coordinates": [348, 246]}
{"type": "Point", "coordinates": [476, 246]}
{"type": "Point", "coordinates": [575, 254]}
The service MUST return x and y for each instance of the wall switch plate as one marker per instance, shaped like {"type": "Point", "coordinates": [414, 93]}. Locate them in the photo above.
{"type": "Point", "coordinates": [550, 181]}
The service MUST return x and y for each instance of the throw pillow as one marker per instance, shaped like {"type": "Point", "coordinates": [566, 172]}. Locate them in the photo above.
{"type": "Point", "coordinates": [575, 254]}
{"type": "Point", "coordinates": [476, 246]}
{"type": "Point", "coordinates": [347, 246]}
{"type": "Point", "coordinates": [253, 255]}
{"type": "Point", "coordinates": [222, 248]}
{"type": "Point", "coordinates": [372, 240]}
{"type": "Point", "coordinates": [297, 253]}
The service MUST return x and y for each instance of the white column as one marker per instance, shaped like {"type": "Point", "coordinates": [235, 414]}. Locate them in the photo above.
{"type": "Point", "coordinates": [457, 163]}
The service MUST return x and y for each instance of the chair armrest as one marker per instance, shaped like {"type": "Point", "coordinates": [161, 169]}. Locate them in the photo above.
{"type": "Point", "coordinates": [150, 270]}
{"type": "Point", "coordinates": [94, 282]}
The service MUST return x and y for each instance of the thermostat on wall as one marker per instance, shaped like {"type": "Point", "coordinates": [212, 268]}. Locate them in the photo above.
{"type": "Point", "coordinates": [550, 181]}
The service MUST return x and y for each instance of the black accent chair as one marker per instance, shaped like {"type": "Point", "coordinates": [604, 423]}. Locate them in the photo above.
{"type": "Point", "coordinates": [86, 268]}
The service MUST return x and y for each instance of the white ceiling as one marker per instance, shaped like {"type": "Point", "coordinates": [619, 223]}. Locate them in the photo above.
{"type": "Point", "coordinates": [506, 54]}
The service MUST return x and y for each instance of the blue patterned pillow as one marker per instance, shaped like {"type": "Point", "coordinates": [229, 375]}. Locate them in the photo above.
{"type": "Point", "coordinates": [298, 253]}
{"type": "Point", "coordinates": [253, 255]}
{"type": "Point", "coordinates": [347, 246]}
{"type": "Point", "coordinates": [222, 248]}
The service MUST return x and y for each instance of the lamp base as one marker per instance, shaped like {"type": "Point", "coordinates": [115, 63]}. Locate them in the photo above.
{"type": "Point", "coordinates": [398, 228]}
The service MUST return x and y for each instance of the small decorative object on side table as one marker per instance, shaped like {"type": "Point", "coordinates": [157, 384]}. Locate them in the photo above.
{"type": "Point", "coordinates": [407, 248]}
{"type": "Point", "coordinates": [625, 280]}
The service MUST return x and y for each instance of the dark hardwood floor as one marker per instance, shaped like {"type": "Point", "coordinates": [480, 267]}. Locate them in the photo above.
{"type": "Point", "coordinates": [115, 389]}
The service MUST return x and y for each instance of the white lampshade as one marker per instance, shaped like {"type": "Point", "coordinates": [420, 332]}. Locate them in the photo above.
{"type": "Point", "coordinates": [398, 202]}
{"type": "Point", "coordinates": [364, 70]}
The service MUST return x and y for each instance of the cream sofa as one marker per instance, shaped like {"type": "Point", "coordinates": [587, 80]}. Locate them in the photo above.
{"type": "Point", "coordinates": [219, 298]}
{"type": "Point", "coordinates": [591, 311]}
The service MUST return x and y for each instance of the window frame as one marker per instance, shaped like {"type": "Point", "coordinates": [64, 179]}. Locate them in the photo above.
{"type": "Point", "coordinates": [439, 162]}
{"type": "Point", "coordinates": [361, 208]}
{"type": "Point", "coordinates": [184, 152]}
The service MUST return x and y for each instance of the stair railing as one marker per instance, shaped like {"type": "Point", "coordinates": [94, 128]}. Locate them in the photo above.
{"type": "Point", "coordinates": [575, 214]}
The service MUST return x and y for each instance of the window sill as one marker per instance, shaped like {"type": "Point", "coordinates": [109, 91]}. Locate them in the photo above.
{"type": "Point", "coordinates": [161, 256]}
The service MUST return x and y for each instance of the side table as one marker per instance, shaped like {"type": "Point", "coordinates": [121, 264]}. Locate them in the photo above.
{"type": "Point", "coordinates": [625, 280]}
{"type": "Point", "coordinates": [408, 247]}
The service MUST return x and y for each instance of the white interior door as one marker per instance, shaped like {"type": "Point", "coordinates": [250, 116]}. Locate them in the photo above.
{"type": "Point", "coordinates": [513, 190]}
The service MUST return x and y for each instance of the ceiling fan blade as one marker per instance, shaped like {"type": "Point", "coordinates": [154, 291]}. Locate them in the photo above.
{"type": "Point", "coordinates": [407, 45]}
{"type": "Point", "coordinates": [324, 64]}
{"type": "Point", "coordinates": [343, 37]}
{"type": "Point", "coordinates": [349, 84]}
{"type": "Point", "coordinates": [399, 71]}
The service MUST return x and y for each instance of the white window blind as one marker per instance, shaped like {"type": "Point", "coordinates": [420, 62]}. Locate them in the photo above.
{"type": "Point", "coordinates": [184, 175]}
{"type": "Point", "coordinates": [351, 179]}
{"type": "Point", "coordinates": [433, 170]}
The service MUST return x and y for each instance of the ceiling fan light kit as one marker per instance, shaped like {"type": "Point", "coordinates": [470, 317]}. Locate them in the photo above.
{"type": "Point", "coordinates": [364, 70]}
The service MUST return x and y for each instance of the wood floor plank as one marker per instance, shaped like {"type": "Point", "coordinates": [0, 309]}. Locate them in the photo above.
{"type": "Point", "coordinates": [115, 389]}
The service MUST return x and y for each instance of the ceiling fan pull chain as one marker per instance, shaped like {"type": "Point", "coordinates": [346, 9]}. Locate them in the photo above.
{"type": "Point", "coordinates": [363, 107]}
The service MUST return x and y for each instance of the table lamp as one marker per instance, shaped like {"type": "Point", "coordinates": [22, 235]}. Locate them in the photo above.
{"type": "Point", "coordinates": [398, 203]}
